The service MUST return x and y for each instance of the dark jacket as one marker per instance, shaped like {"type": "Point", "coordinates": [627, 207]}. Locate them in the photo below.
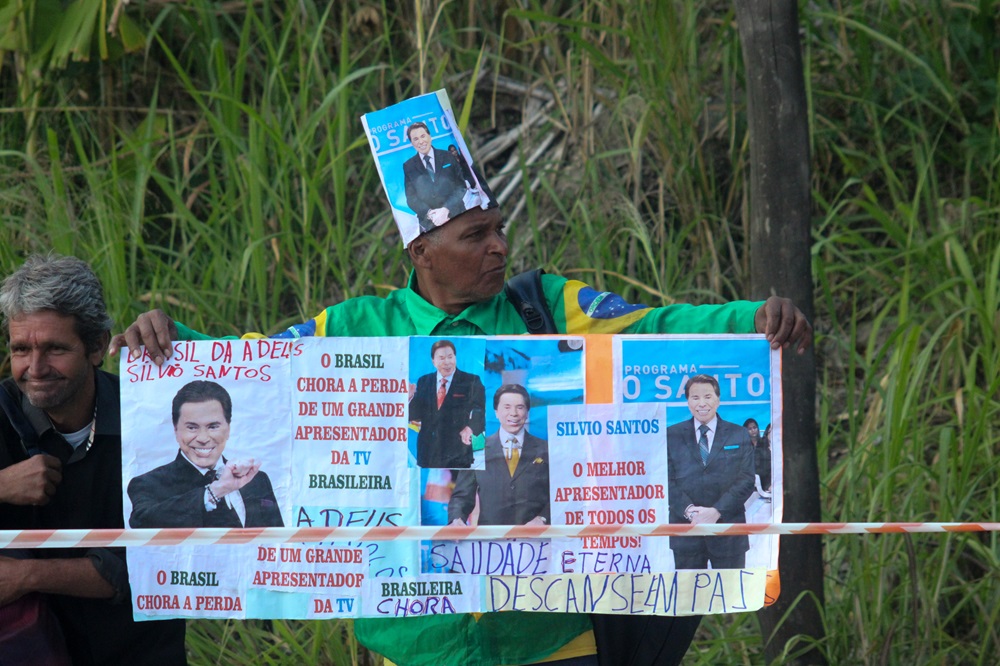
{"type": "Point", "coordinates": [98, 631]}
{"type": "Point", "coordinates": [173, 495]}
{"type": "Point", "coordinates": [445, 189]}
{"type": "Point", "coordinates": [724, 483]}
{"type": "Point", "coordinates": [505, 499]}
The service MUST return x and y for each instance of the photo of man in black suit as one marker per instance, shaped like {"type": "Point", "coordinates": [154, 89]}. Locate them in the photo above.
{"type": "Point", "coordinates": [711, 470]}
{"type": "Point", "coordinates": [450, 406]}
{"type": "Point", "coordinates": [514, 487]}
{"type": "Point", "coordinates": [200, 488]}
{"type": "Point", "coordinates": [433, 180]}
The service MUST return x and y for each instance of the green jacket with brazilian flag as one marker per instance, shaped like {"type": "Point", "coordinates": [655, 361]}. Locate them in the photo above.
{"type": "Point", "coordinates": [497, 638]}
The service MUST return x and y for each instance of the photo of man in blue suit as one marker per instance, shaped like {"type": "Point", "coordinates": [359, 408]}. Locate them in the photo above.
{"type": "Point", "coordinates": [711, 476]}
{"type": "Point", "coordinates": [433, 179]}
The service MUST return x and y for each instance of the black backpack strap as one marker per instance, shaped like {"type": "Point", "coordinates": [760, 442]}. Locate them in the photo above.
{"type": "Point", "coordinates": [10, 404]}
{"type": "Point", "coordinates": [524, 291]}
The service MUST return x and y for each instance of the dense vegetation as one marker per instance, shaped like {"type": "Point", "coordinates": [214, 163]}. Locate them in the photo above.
{"type": "Point", "coordinates": [207, 157]}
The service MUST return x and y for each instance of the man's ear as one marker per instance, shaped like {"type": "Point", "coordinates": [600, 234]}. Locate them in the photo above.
{"type": "Point", "coordinates": [96, 357]}
{"type": "Point", "coordinates": [419, 252]}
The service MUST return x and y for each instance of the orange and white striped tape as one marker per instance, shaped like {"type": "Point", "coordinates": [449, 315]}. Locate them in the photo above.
{"type": "Point", "coordinates": [212, 535]}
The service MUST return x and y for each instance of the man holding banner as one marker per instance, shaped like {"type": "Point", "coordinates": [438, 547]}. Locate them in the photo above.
{"type": "Point", "coordinates": [456, 288]}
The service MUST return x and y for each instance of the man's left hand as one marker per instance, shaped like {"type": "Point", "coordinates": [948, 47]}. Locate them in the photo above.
{"type": "Point", "coordinates": [466, 435]}
{"type": "Point", "coordinates": [783, 324]}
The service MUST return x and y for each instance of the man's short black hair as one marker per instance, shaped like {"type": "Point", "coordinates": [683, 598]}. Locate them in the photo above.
{"type": "Point", "coordinates": [443, 343]}
{"type": "Point", "coordinates": [416, 125]}
{"type": "Point", "coordinates": [202, 391]}
{"type": "Point", "coordinates": [704, 379]}
{"type": "Point", "coordinates": [512, 388]}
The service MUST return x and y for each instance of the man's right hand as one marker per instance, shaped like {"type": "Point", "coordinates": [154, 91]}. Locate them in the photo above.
{"type": "Point", "coordinates": [12, 583]}
{"type": "Point", "coordinates": [154, 330]}
{"type": "Point", "coordinates": [235, 474]}
{"type": "Point", "coordinates": [31, 482]}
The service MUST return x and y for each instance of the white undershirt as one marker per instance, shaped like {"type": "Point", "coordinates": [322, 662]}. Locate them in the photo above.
{"type": "Point", "coordinates": [447, 382]}
{"type": "Point", "coordinates": [505, 436]}
{"type": "Point", "coordinates": [75, 439]}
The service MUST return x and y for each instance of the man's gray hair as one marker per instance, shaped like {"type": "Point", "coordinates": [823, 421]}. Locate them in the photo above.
{"type": "Point", "coordinates": [65, 285]}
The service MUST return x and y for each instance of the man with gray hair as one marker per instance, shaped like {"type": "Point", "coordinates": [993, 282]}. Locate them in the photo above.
{"type": "Point", "coordinates": [60, 464]}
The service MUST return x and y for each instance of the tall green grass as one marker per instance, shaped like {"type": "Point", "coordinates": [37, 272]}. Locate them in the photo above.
{"type": "Point", "coordinates": [222, 175]}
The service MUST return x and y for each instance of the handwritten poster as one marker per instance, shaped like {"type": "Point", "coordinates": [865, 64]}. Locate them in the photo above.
{"type": "Point", "coordinates": [433, 431]}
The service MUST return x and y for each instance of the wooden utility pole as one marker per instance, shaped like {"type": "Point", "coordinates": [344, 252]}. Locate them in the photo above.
{"type": "Point", "coordinates": [781, 264]}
